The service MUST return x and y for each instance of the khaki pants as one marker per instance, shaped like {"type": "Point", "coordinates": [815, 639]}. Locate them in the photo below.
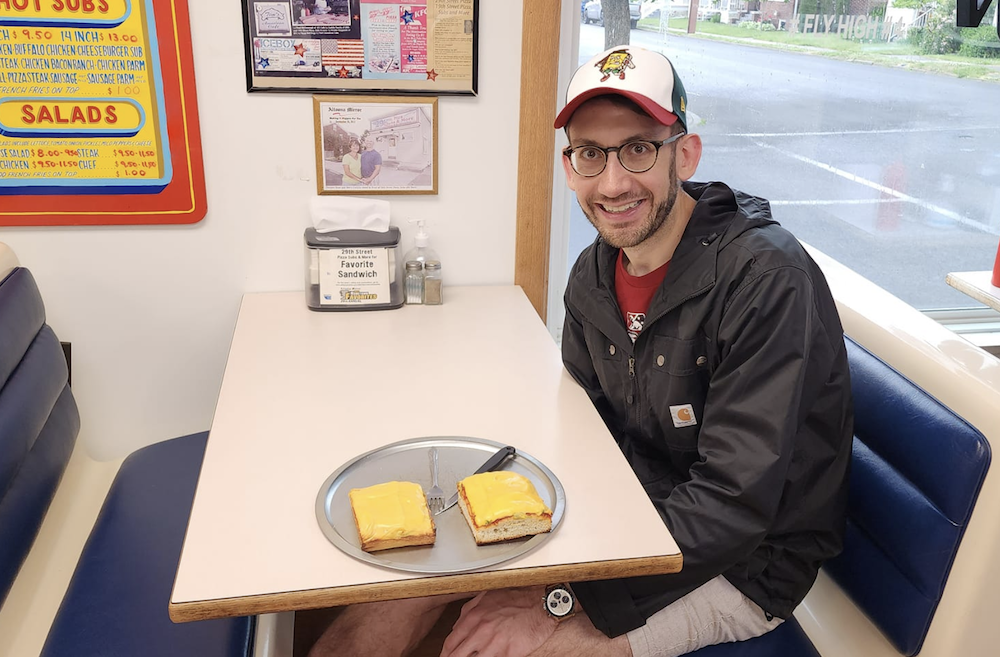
{"type": "Point", "coordinates": [715, 612]}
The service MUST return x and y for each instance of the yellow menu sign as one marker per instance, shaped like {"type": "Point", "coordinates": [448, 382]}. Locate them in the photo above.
{"type": "Point", "coordinates": [81, 97]}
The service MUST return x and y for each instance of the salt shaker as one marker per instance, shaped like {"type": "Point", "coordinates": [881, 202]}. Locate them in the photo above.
{"type": "Point", "coordinates": [414, 282]}
{"type": "Point", "coordinates": [432, 283]}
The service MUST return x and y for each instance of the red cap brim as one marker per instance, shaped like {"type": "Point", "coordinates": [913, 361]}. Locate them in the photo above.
{"type": "Point", "coordinates": [664, 116]}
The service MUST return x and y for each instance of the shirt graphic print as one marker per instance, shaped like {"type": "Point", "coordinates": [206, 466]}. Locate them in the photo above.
{"type": "Point", "coordinates": [633, 324]}
{"type": "Point", "coordinates": [634, 294]}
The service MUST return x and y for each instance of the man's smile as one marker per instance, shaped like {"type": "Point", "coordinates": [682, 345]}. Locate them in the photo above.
{"type": "Point", "coordinates": [616, 213]}
{"type": "Point", "coordinates": [616, 209]}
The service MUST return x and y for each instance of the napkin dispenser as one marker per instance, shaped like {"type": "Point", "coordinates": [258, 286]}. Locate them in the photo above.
{"type": "Point", "coordinates": [353, 269]}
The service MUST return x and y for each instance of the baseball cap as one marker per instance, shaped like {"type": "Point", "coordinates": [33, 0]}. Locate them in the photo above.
{"type": "Point", "coordinates": [644, 76]}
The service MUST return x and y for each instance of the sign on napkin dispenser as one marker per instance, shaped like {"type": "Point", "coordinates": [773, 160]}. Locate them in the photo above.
{"type": "Point", "coordinates": [353, 269]}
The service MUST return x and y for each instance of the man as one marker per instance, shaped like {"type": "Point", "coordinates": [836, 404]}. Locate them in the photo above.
{"type": "Point", "coordinates": [371, 162]}
{"type": "Point", "coordinates": [709, 343]}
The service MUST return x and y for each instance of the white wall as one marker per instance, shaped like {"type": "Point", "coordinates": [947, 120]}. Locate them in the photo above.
{"type": "Point", "coordinates": [150, 310]}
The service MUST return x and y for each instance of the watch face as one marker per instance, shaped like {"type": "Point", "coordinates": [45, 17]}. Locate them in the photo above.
{"type": "Point", "coordinates": [559, 602]}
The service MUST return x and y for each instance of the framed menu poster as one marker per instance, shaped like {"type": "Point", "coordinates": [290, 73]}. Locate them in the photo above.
{"type": "Point", "coordinates": [351, 46]}
{"type": "Point", "coordinates": [98, 114]}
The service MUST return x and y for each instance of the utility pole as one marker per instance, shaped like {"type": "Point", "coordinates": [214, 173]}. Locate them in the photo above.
{"type": "Point", "coordinates": [692, 16]}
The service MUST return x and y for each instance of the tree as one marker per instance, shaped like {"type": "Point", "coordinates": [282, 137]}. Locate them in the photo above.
{"type": "Point", "coordinates": [617, 25]}
{"type": "Point", "coordinates": [939, 35]}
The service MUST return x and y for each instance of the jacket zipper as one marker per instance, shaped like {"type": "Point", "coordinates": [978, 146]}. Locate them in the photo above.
{"type": "Point", "coordinates": [632, 396]}
{"type": "Point", "coordinates": [631, 399]}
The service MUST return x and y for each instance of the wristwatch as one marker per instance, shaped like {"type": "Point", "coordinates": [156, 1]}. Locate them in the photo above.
{"type": "Point", "coordinates": [559, 601]}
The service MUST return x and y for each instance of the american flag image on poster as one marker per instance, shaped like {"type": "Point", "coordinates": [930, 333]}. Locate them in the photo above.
{"type": "Point", "coordinates": [344, 55]}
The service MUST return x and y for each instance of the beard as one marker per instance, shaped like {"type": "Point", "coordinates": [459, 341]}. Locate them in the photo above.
{"type": "Point", "coordinates": [655, 220]}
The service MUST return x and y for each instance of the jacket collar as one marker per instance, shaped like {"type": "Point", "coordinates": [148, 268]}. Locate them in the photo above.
{"type": "Point", "coordinates": [720, 215]}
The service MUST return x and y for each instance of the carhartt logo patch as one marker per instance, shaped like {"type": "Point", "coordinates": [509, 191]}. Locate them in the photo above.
{"type": "Point", "coordinates": [683, 415]}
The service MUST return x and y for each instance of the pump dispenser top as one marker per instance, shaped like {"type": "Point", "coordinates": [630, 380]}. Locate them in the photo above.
{"type": "Point", "coordinates": [421, 250]}
{"type": "Point", "coordinates": [422, 238]}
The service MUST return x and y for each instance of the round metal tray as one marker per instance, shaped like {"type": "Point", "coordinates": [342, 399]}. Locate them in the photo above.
{"type": "Point", "coordinates": [454, 550]}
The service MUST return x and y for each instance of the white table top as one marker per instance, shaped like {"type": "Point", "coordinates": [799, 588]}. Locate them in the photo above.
{"type": "Point", "coordinates": [304, 392]}
{"type": "Point", "coordinates": [977, 285]}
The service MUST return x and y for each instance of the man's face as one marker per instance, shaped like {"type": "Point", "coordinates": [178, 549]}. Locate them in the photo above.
{"type": "Point", "coordinates": [368, 143]}
{"type": "Point", "coordinates": [626, 208]}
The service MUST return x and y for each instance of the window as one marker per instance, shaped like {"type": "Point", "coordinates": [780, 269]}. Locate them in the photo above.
{"type": "Point", "coordinates": [872, 129]}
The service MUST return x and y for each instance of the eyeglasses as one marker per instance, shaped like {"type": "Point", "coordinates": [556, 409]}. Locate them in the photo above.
{"type": "Point", "coordinates": [635, 156]}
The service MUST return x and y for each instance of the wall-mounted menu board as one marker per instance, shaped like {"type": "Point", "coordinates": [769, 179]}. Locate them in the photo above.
{"type": "Point", "coordinates": [98, 114]}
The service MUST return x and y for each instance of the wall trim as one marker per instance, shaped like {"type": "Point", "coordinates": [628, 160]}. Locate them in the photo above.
{"type": "Point", "coordinates": [536, 141]}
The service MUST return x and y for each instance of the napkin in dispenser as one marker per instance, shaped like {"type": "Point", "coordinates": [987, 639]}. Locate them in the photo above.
{"type": "Point", "coordinates": [351, 256]}
{"type": "Point", "coordinates": [346, 213]}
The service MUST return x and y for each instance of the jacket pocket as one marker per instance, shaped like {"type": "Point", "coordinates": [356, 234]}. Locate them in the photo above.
{"type": "Point", "coordinates": [678, 381]}
{"type": "Point", "coordinates": [678, 357]}
{"type": "Point", "coordinates": [608, 357]}
{"type": "Point", "coordinates": [600, 347]}
{"type": "Point", "coordinates": [608, 360]}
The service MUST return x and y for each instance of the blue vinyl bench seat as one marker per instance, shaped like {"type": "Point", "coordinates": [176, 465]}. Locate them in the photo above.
{"type": "Point", "coordinates": [116, 605]}
{"type": "Point", "coordinates": [39, 421]}
{"type": "Point", "coordinates": [916, 471]}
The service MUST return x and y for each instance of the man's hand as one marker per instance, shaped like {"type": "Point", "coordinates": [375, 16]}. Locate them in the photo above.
{"type": "Point", "coordinates": [503, 623]}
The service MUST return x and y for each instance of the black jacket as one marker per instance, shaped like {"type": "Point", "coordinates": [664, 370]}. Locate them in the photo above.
{"type": "Point", "coordinates": [745, 330]}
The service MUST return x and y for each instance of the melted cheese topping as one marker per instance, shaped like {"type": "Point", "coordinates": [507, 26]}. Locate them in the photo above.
{"type": "Point", "coordinates": [492, 496]}
{"type": "Point", "coordinates": [391, 510]}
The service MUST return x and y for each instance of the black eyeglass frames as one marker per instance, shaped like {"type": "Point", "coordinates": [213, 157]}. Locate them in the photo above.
{"type": "Point", "coordinates": [635, 156]}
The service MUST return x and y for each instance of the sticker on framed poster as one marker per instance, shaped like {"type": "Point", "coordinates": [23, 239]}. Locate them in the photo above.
{"type": "Point", "coordinates": [351, 46]}
{"type": "Point", "coordinates": [98, 114]}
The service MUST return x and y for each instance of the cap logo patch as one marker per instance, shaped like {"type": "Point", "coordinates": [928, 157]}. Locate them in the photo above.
{"type": "Point", "coordinates": [615, 64]}
{"type": "Point", "coordinates": [683, 108]}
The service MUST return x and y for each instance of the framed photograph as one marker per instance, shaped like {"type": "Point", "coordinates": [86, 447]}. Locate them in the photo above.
{"type": "Point", "coordinates": [376, 145]}
{"type": "Point", "coordinates": [429, 47]}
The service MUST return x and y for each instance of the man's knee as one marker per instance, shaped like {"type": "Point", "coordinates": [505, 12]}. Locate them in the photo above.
{"type": "Point", "coordinates": [390, 627]}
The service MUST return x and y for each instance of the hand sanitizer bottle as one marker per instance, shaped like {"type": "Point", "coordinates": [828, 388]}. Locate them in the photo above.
{"type": "Point", "coordinates": [429, 265]}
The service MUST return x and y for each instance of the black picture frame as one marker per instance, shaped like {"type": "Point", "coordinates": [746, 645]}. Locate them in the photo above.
{"type": "Point", "coordinates": [312, 46]}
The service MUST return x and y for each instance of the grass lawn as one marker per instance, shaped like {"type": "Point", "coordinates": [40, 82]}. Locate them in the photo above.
{"type": "Point", "coordinates": [897, 54]}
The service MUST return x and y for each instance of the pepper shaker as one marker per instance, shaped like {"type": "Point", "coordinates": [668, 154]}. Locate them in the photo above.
{"type": "Point", "coordinates": [432, 283]}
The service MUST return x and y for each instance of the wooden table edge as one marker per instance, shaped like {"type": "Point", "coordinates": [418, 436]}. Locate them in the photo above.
{"type": "Point", "coordinates": [982, 295]}
{"type": "Point", "coordinates": [183, 612]}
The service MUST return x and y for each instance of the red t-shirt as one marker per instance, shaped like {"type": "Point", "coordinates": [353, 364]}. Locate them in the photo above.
{"type": "Point", "coordinates": [634, 294]}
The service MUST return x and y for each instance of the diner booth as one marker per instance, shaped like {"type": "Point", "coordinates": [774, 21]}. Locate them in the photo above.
{"type": "Point", "coordinates": [174, 417]}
